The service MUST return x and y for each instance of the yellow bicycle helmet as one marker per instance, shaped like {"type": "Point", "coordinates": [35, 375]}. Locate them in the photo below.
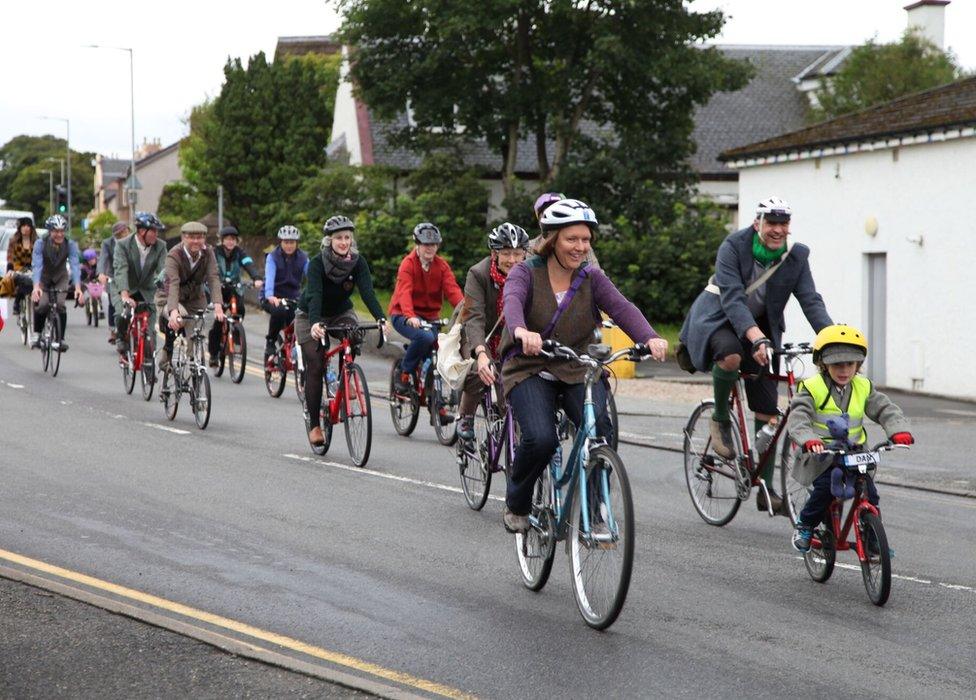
{"type": "Point", "coordinates": [840, 335]}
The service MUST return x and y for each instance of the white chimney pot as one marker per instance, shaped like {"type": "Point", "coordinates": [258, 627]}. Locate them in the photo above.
{"type": "Point", "coordinates": [927, 17]}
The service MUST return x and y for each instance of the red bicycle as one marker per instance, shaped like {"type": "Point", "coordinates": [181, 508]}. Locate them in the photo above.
{"type": "Point", "coordinates": [870, 540]}
{"type": "Point", "coordinates": [233, 340]}
{"type": "Point", "coordinates": [346, 398]}
{"type": "Point", "coordinates": [284, 359]}
{"type": "Point", "coordinates": [139, 357]}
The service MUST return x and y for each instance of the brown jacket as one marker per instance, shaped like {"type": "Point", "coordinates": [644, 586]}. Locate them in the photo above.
{"type": "Point", "coordinates": [479, 313]}
{"type": "Point", "coordinates": [185, 285]}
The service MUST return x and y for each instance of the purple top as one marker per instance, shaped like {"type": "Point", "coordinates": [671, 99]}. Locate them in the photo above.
{"type": "Point", "coordinates": [608, 299]}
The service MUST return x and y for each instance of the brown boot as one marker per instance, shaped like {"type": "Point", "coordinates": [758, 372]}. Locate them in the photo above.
{"type": "Point", "coordinates": [315, 436]}
{"type": "Point", "coordinates": [721, 433]}
{"type": "Point", "coordinates": [776, 501]}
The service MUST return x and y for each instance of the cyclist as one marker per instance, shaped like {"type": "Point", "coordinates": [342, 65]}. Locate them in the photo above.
{"type": "Point", "coordinates": [727, 330]}
{"type": "Point", "coordinates": [541, 204]}
{"type": "Point", "coordinates": [481, 333]}
{"type": "Point", "coordinates": [106, 268]}
{"type": "Point", "coordinates": [52, 257]}
{"type": "Point", "coordinates": [839, 352]}
{"type": "Point", "coordinates": [19, 258]}
{"type": "Point", "coordinates": [556, 294]}
{"type": "Point", "coordinates": [189, 268]}
{"type": "Point", "coordinates": [332, 276]}
{"type": "Point", "coordinates": [284, 268]}
{"type": "Point", "coordinates": [230, 259]}
{"type": "Point", "coordinates": [423, 280]}
{"type": "Point", "coordinates": [136, 263]}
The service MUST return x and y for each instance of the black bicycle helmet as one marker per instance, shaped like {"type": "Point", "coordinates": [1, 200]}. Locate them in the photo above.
{"type": "Point", "coordinates": [338, 223]}
{"type": "Point", "coordinates": [508, 236]}
{"type": "Point", "coordinates": [230, 231]}
{"type": "Point", "coordinates": [145, 219]}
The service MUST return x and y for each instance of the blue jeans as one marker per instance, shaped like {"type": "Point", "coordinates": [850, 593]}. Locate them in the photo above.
{"type": "Point", "coordinates": [820, 498]}
{"type": "Point", "coordinates": [534, 401]}
{"type": "Point", "coordinates": [421, 341]}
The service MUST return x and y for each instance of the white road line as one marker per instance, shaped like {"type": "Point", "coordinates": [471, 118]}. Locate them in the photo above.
{"type": "Point", "coordinates": [385, 475]}
{"type": "Point", "coordinates": [14, 386]}
{"type": "Point", "coordinates": [913, 579]}
{"type": "Point", "coordinates": [167, 428]}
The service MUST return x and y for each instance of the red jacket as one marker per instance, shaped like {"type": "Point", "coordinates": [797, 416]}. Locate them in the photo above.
{"type": "Point", "coordinates": [420, 293]}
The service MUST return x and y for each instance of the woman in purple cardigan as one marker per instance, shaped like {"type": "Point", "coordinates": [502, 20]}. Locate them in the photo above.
{"type": "Point", "coordinates": [536, 385]}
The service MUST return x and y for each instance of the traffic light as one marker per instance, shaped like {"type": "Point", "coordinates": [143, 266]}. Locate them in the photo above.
{"type": "Point", "coordinates": [61, 200]}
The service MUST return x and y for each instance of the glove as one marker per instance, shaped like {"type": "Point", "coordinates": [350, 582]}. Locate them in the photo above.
{"type": "Point", "coordinates": [810, 444]}
{"type": "Point", "coordinates": [902, 439]}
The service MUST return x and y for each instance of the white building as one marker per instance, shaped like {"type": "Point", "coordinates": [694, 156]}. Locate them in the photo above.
{"type": "Point", "coordinates": [884, 198]}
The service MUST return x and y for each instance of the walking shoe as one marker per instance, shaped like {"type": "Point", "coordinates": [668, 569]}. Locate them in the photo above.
{"type": "Point", "coordinates": [515, 523]}
{"type": "Point", "coordinates": [802, 537]}
{"type": "Point", "coordinates": [402, 383]}
{"type": "Point", "coordinates": [315, 436]}
{"type": "Point", "coordinates": [444, 417]}
{"type": "Point", "coordinates": [60, 346]}
{"type": "Point", "coordinates": [466, 428]}
{"type": "Point", "coordinates": [721, 432]}
{"type": "Point", "coordinates": [776, 501]}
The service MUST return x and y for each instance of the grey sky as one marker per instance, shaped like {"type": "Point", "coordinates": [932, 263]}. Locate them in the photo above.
{"type": "Point", "coordinates": [181, 47]}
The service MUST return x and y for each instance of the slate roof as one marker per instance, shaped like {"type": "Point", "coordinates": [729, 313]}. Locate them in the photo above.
{"type": "Point", "coordinates": [948, 106]}
{"type": "Point", "coordinates": [113, 169]}
{"type": "Point", "coordinates": [769, 105]}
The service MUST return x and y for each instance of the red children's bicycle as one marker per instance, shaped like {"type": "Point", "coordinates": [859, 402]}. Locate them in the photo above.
{"type": "Point", "coordinates": [139, 357]}
{"type": "Point", "coordinates": [283, 360]}
{"type": "Point", "coordinates": [345, 399]}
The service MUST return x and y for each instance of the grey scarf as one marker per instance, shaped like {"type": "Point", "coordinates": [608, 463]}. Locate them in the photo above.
{"type": "Point", "coordinates": [338, 269]}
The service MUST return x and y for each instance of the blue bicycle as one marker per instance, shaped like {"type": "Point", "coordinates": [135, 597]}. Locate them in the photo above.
{"type": "Point", "coordinates": [586, 501]}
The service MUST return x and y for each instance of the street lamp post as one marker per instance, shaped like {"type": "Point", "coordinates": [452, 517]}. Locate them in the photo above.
{"type": "Point", "coordinates": [132, 105]}
{"type": "Point", "coordinates": [67, 145]}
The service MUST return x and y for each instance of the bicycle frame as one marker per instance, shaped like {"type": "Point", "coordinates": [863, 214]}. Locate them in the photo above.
{"type": "Point", "coordinates": [137, 336]}
{"type": "Point", "coordinates": [506, 439]}
{"type": "Point", "coordinates": [859, 505]}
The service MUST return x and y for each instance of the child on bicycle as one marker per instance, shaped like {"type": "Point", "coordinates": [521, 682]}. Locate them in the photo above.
{"type": "Point", "coordinates": [838, 389]}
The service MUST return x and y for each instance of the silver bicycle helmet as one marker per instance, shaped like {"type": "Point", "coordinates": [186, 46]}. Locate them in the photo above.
{"type": "Point", "coordinates": [288, 233]}
{"type": "Point", "coordinates": [508, 236]}
{"type": "Point", "coordinates": [567, 212]}
{"type": "Point", "coordinates": [427, 233]}
{"type": "Point", "coordinates": [338, 223]}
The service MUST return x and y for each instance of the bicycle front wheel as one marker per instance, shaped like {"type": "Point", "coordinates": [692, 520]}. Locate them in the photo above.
{"type": "Point", "coordinates": [819, 560]}
{"type": "Point", "coordinates": [442, 405]}
{"type": "Point", "coordinates": [147, 375]}
{"type": "Point", "coordinates": [876, 565]}
{"type": "Point", "coordinates": [354, 412]}
{"type": "Point", "coordinates": [237, 358]}
{"type": "Point", "coordinates": [473, 459]}
{"type": "Point", "coordinates": [795, 494]}
{"type": "Point", "coordinates": [55, 347]}
{"type": "Point", "coordinates": [274, 375]}
{"type": "Point", "coordinates": [222, 352]}
{"type": "Point", "coordinates": [710, 478]}
{"type": "Point", "coordinates": [602, 555]}
{"type": "Point", "coordinates": [96, 310]}
{"type": "Point", "coordinates": [535, 548]}
{"type": "Point", "coordinates": [26, 319]}
{"type": "Point", "coordinates": [169, 393]}
{"type": "Point", "coordinates": [613, 439]}
{"type": "Point", "coordinates": [404, 408]}
{"type": "Point", "coordinates": [200, 398]}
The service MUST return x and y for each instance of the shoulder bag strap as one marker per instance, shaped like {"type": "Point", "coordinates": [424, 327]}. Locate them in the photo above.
{"type": "Point", "coordinates": [759, 281]}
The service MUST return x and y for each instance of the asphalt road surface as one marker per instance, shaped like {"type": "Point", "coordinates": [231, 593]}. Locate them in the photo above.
{"type": "Point", "coordinates": [385, 573]}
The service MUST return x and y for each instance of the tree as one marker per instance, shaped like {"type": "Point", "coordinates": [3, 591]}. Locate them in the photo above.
{"type": "Point", "coordinates": [24, 184]}
{"type": "Point", "coordinates": [876, 73]}
{"type": "Point", "coordinates": [506, 69]}
{"type": "Point", "coordinates": [100, 227]}
{"type": "Point", "coordinates": [262, 136]}
{"type": "Point", "coordinates": [181, 202]}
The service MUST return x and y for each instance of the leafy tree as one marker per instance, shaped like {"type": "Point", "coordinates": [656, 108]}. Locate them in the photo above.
{"type": "Point", "coordinates": [180, 202]}
{"type": "Point", "coordinates": [506, 69]}
{"type": "Point", "coordinates": [100, 226]}
{"type": "Point", "coordinates": [876, 73]}
{"type": "Point", "coordinates": [25, 185]}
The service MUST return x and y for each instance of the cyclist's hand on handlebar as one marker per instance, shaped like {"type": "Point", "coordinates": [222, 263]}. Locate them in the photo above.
{"type": "Point", "coordinates": [531, 342]}
{"type": "Point", "coordinates": [79, 295]}
{"type": "Point", "coordinates": [815, 446]}
{"type": "Point", "coordinates": [902, 438]}
{"type": "Point", "coordinates": [413, 322]}
{"type": "Point", "coordinates": [760, 349]}
{"type": "Point", "coordinates": [36, 294]}
{"type": "Point", "coordinates": [274, 301]}
{"type": "Point", "coordinates": [485, 371]}
{"type": "Point", "coordinates": [103, 278]}
{"type": "Point", "coordinates": [219, 312]}
{"type": "Point", "coordinates": [258, 284]}
{"type": "Point", "coordinates": [658, 348]}
{"type": "Point", "coordinates": [318, 331]}
{"type": "Point", "coordinates": [175, 322]}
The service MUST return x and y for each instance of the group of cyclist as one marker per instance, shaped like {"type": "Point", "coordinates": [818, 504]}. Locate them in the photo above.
{"type": "Point", "coordinates": [521, 294]}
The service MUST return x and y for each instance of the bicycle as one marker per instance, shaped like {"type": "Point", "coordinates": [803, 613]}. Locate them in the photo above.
{"type": "Point", "coordinates": [586, 501]}
{"type": "Point", "coordinates": [718, 486]}
{"type": "Point", "coordinates": [233, 340]}
{"type": "Point", "coordinates": [426, 387]}
{"type": "Point", "coordinates": [870, 540]}
{"type": "Point", "coordinates": [25, 320]}
{"type": "Point", "coordinates": [283, 360]}
{"type": "Point", "coordinates": [52, 333]}
{"type": "Point", "coordinates": [492, 449]}
{"type": "Point", "coordinates": [138, 359]}
{"type": "Point", "coordinates": [187, 372]}
{"type": "Point", "coordinates": [93, 302]}
{"type": "Point", "coordinates": [346, 399]}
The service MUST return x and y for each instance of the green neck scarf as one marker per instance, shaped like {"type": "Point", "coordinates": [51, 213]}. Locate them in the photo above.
{"type": "Point", "coordinates": [763, 255]}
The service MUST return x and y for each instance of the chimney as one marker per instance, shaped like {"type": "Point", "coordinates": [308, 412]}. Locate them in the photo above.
{"type": "Point", "coordinates": [927, 18]}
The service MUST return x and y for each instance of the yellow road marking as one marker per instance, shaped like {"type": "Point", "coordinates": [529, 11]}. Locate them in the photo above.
{"type": "Point", "coordinates": [239, 627]}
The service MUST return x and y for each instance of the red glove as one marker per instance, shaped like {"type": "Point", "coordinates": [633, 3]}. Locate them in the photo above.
{"type": "Point", "coordinates": [810, 444]}
{"type": "Point", "coordinates": [1, 323]}
{"type": "Point", "coordinates": [902, 439]}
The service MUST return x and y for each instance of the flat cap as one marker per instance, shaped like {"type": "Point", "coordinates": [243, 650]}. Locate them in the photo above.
{"type": "Point", "coordinates": [193, 227]}
{"type": "Point", "coordinates": [119, 227]}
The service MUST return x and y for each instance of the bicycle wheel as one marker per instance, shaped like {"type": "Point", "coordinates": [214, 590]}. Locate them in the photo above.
{"type": "Point", "coordinates": [26, 319]}
{"type": "Point", "coordinates": [442, 404]}
{"type": "Point", "coordinates": [613, 439]}
{"type": "Point", "coordinates": [274, 375]}
{"type": "Point", "coordinates": [147, 375]}
{"type": "Point", "coordinates": [96, 310]}
{"type": "Point", "coordinates": [45, 345]}
{"type": "Point", "coordinates": [795, 494]}
{"type": "Point", "coordinates": [55, 341]}
{"type": "Point", "coordinates": [200, 397]}
{"type": "Point", "coordinates": [710, 479]}
{"type": "Point", "coordinates": [88, 311]}
{"type": "Point", "coordinates": [820, 559]}
{"type": "Point", "coordinates": [473, 460]}
{"type": "Point", "coordinates": [602, 559]}
{"type": "Point", "coordinates": [535, 548]}
{"type": "Point", "coordinates": [126, 364]}
{"type": "Point", "coordinates": [238, 358]}
{"type": "Point", "coordinates": [404, 408]}
{"type": "Point", "coordinates": [222, 352]}
{"type": "Point", "coordinates": [169, 393]}
{"type": "Point", "coordinates": [300, 385]}
{"type": "Point", "coordinates": [357, 416]}
{"type": "Point", "coordinates": [876, 565]}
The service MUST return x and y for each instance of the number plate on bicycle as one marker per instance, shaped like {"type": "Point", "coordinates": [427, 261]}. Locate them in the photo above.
{"type": "Point", "coordinates": [861, 459]}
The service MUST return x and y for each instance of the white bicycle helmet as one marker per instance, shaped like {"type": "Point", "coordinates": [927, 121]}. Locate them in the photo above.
{"type": "Point", "coordinates": [567, 212]}
{"type": "Point", "coordinates": [288, 233]}
{"type": "Point", "coordinates": [774, 209]}
{"type": "Point", "coordinates": [56, 222]}
{"type": "Point", "coordinates": [508, 236]}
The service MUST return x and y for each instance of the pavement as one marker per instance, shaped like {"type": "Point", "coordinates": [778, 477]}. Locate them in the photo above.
{"type": "Point", "coordinates": [240, 536]}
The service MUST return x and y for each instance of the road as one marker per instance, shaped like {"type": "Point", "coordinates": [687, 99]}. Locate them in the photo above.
{"type": "Point", "coordinates": [385, 574]}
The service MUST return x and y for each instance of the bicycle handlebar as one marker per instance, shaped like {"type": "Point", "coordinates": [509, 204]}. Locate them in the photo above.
{"type": "Point", "coordinates": [597, 355]}
{"type": "Point", "coordinates": [436, 323]}
{"type": "Point", "coordinates": [350, 329]}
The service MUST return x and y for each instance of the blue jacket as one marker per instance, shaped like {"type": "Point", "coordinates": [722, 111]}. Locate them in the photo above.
{"type": "Point", "coordinates": [283, 274]}
{"type": "Point", "coordinates": [733, 270]}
